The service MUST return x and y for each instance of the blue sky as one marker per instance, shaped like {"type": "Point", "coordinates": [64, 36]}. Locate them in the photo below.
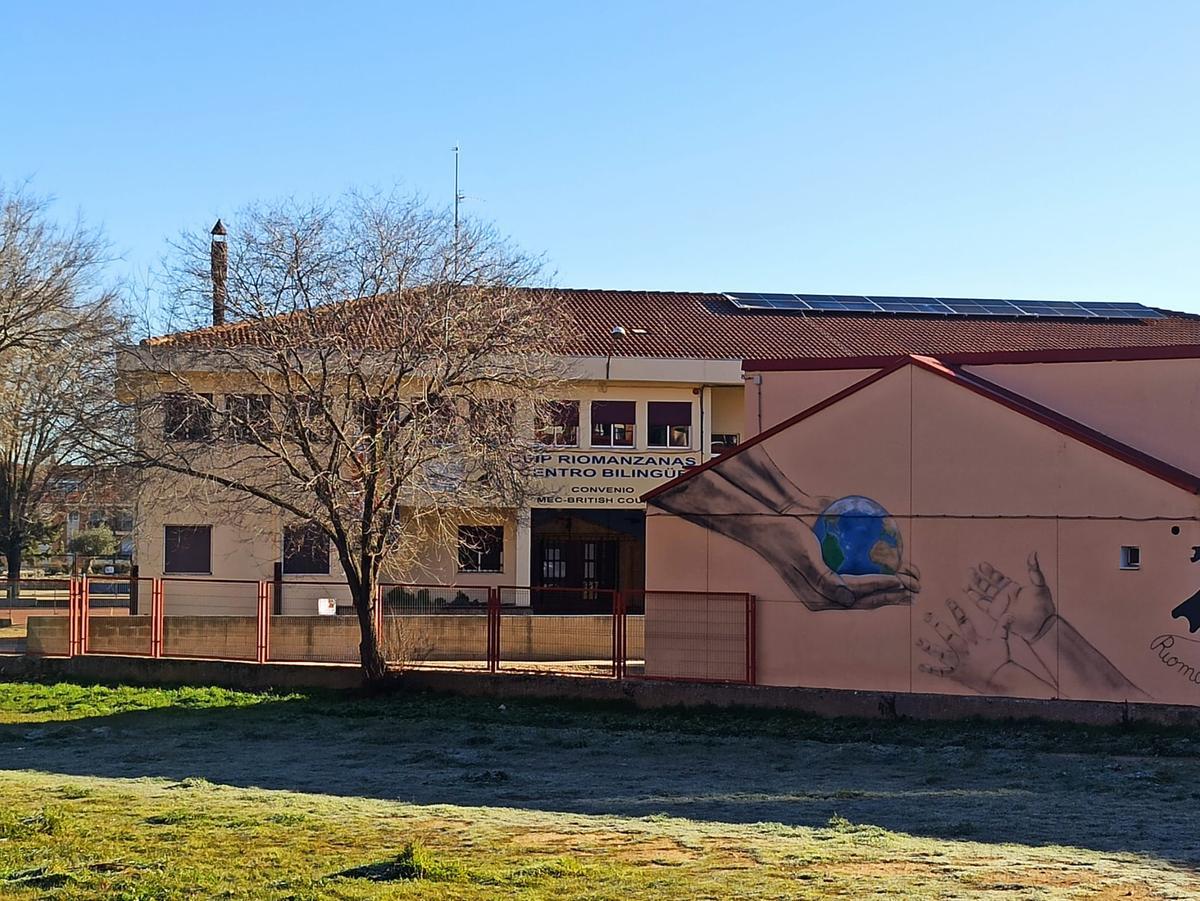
{"type": "Point", "coordinates": [1007, 149]}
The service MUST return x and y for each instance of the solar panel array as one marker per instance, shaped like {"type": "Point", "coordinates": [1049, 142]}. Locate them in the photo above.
{"type": "Point", "coordinates": [939, 306]}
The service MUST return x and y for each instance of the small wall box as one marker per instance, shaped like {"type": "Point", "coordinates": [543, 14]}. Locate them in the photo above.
{"type": "Point", "coordinates": [326, 606]}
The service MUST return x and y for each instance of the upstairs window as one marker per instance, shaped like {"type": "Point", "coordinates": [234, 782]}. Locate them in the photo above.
{"type": "Point", "coordinates": [188, 550]}
{"type": "Point", "coordinates": [305, 549]}
{"type": "Point", "coordinates": [188, 417]}
{"type": "Point", "coordinates": [560, 424]}
{"type": "Point", "coordinates": [480, 549]}
{"type": "Point", "coordinates": [613, 423]}
{"type": "Point", "coordinates": [247, 417]}
{"type": "Point", "coordinates": [306, 418]}
{"type": "Point", "coordinates": [669, 423]}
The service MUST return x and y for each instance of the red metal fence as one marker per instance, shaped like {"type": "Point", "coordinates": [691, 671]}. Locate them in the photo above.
{"type": "Point", "coordinates": [692, 636]}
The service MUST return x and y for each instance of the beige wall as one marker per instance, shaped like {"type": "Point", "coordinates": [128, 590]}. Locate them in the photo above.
{"type": "Point", "coordinates": [971, 487]}
{"type": "Point", "coordinates": [247, 538]}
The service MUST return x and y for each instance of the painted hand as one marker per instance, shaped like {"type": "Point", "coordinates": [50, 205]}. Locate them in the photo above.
{"type": "Point", "coordinates": [972, 657]}
{"type": "Point", "coordinates": [1026, 609]}
{"type": "Point", "coordinates": [820, 588]}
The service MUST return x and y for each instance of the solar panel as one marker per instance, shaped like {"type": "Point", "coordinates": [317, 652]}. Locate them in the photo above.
{"type": "Point", "coordinates": [939, 306]}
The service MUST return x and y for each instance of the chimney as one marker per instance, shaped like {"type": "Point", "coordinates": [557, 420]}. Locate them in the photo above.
{"type": "Point", "coordinates": [219, 263]}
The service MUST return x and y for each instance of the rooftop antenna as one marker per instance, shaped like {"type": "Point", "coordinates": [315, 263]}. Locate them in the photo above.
{"type": "Point", "coordinates": [457, 199]}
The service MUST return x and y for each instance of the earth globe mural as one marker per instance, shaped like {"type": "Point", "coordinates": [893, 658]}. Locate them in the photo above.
{"type": "Point", "coordinates": [859, 537]}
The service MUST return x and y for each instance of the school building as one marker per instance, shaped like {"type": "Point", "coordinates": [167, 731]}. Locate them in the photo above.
{"type": "Point", "coordinates": [922, 494]}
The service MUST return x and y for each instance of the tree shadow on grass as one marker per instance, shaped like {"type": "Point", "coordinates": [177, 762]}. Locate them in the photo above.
{"type": "Point", "coordinates": [1032, 784]}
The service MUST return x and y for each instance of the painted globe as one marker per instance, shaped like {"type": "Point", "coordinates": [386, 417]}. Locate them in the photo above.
{"type": "Point", "coordinates": [858, 537]}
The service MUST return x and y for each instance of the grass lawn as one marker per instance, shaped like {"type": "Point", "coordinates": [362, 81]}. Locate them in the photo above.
{"type": "Point", "coordinates": [203, 793]}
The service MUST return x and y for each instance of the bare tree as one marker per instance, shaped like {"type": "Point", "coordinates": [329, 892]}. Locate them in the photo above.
{"type": "Point", "coordinates": [58, 331]}
{"type": "Point", "coordinates": [358, 385]}
{"type": "Point", "coordinates": [50, 275]}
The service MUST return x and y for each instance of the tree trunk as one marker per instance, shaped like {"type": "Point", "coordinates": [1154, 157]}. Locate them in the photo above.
{"type": "Point", "coordinates": [370, 649]}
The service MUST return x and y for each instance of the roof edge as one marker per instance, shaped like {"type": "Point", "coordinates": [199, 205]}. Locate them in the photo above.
{"type": "Point", "coordinates": [980, 358]}
{"type": "Point", "coordinates": [1019, 403]}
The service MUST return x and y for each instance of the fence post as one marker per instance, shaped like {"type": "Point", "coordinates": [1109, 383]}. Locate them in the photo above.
{"type": "Point", "coordinates": [493, 622]}
{"type": "Point", "coordinates": [264, 621]}
{"type": "Point", "coordinates": [133, 590]}
{"type": "Point", "coordinates": [278, 585]}
{"type": "Point", "coordinates": [378, 615]}
{"type": "Point", "coordinates": [618, 636]}
{"type": "Point", "coordinates": [156, 618]}
{"type": "Point", "coordinates": [72, 615]}
{"type": "Point", "coordinates": [85, 603]}
{"type": "Point", "coordinates": [751, 640]}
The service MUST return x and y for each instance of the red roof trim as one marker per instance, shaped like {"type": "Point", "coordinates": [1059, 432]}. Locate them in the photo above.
{"type": "Point", "coordinates": [981, 386]}
{"type": "Point", "coordinates": [896, 364]}
{"type": "Point", "coordinates": [1057, 355]}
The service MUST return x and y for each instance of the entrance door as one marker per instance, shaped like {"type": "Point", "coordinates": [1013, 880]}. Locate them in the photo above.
{"type": "Point", "coordinates": [579, 570]}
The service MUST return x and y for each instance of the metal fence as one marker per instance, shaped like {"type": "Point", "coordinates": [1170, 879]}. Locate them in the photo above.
{"type": "Point", "coordinates": [679, 635]}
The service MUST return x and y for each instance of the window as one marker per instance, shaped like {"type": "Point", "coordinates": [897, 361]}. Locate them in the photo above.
{"type": "Point", "coordinates": [306, 419]}
{"type": "Point", "coordinates": [1131, 558]}
{"type": "Point", "coordinates": [188, 417]}
{"type": "Point", "coordinates": [613, 423]}
{"type": "Point", "coordinates": [723, 443]}
{"type": "Point", "coordinates": [492, 416]}
{"type": "Point", "coordinates": [435, 416]}
{"type": "Point", "coordinates": [188, 549]}
{"type": "Point", "coordinates": [247, 417]}
{"type": "Point", "coordinates": [305, 549]}
{"type": "Point", "coordinates": [669, 423]}
{"type": "Point", "coordinates": [480, 549]}
{"type": "Point", "coordinates": [559, 425]}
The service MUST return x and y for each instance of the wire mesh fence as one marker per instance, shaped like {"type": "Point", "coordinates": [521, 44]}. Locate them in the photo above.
{"type": "Point", "coordinates": [444, 626]}
{"type": "Point", "coordinates": [114, 619]}
{"type": "Point", "coordinates": [212, 618]}
{"type": "Point", "coordinates": [572, 631]}
{"type": "Point", "coordinates": [688, 635]}
{"type": "Point", "coordinates": [313, 622]}
{"type": "Point", "coordinates": [34, 616]}
{"type": "Point", "coordinates": [680, 635]}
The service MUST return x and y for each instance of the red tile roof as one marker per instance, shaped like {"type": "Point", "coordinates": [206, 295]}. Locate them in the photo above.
{"type": "Point", "coordinates": [708, 326]}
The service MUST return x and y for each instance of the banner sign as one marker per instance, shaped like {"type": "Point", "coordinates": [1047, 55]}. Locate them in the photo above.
{"type": "Point", "coordinates": [603, 478]}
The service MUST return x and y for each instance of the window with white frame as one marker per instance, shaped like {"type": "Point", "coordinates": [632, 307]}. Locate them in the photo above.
{"type": "Point", "coordinates": [669, 423]}
{"type": "Point", "coordinates": [480, 549]}
{"type": "Point", "coordinates": [613, 423]}
{"type": "Point", "coordinates": [558, 425]}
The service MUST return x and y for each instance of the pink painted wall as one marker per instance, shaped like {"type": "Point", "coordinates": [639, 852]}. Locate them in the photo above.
{"type": "Point", "coordinates": [1016, 524]}
{"type": "Point", "coordinates": [785, 394]}
{"type": "Point", "coordinates": [1153, 405]}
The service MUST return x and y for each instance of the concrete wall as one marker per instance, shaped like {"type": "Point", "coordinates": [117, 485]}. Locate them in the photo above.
{"type": "Point", "coordinates": [407, 639]}
{"type": "Point", "coordinates": [969, 490]}
{"type": "Point", "coordinates": [636, 693]}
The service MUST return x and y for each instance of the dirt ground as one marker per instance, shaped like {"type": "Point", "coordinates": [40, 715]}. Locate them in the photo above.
{"type": "Point", "coordinates": [959, 783]}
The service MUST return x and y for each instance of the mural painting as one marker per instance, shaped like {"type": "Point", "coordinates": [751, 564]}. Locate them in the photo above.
{"type": "Point", "coordinates": [845, 561]}
{"type": "Point", "coordinates": [1004, 638]}
{"type": "Point", "coordinates": [1003, 635]}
